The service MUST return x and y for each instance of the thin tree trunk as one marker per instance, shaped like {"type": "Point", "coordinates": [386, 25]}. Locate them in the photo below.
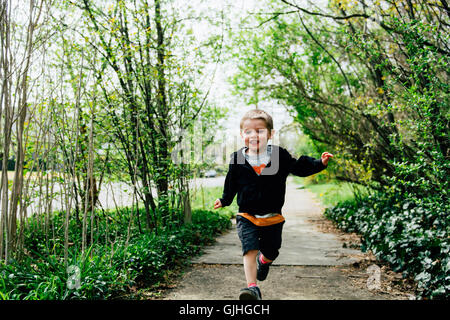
{"type": "Point", "coordinates": [6, 112]}
{"type": "Point", "coordinates": [90, 190]}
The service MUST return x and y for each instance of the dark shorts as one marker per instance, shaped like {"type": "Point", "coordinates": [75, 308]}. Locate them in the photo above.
{"type": "Point", "coordinates": [265, 239]}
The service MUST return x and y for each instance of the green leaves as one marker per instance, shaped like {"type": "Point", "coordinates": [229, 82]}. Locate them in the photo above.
{"type": "Point", "coordinates": [395, 69]}
{"type": "Point", "coordinates": [411, 235]}
{"type": "Point", "coordinates": [107, 273]}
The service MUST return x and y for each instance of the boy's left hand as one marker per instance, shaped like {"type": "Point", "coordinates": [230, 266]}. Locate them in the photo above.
{"type": "Point", "coordinates": [325, 157]}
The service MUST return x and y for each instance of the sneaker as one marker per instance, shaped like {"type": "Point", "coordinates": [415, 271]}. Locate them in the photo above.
{"type": "Point", "coordinates": [252, 293]}
{"type": "Point", "coordinates": [263, 269]}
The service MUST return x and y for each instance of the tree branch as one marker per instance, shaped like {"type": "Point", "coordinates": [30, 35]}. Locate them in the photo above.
{"type": "Point", "coordinates": [364, 15]}
{"type": "Point", "coordinates": [331, 56]}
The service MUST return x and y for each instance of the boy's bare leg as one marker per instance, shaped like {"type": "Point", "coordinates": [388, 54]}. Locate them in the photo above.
{"type": "Point", "coordinates": [250, 266]}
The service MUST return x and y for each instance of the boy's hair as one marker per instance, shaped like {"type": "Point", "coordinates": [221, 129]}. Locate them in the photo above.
{"type": "Point", "coordinates": [258, 114]}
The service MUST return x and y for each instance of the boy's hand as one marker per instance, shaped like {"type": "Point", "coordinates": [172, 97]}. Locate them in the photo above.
{"type": "Point", "coordinates": [325, 157]}
{"type": "Point", "coordinates": [217, 204]}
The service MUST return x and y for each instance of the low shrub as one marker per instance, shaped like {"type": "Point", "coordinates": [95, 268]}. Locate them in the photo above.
{"type": "Point", "coordinates": [412, 235]}
{"type": "Point", "coordinates": [106, 269]}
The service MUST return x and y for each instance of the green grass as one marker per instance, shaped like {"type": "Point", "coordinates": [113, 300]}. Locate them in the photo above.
{"type": "Point", "coordinates": [331, 193]}
{"type": "Point", "coordinates": [203, 199]}
{"type": "Point", "coordinates": [106, 270]}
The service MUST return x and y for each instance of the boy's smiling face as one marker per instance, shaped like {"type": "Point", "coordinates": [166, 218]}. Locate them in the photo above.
{"type": "Point", "coordinates": [255, 135]}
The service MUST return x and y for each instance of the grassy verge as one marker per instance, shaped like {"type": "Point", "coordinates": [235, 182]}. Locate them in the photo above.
{"type": "Point", "coordinates": [114, 264]}
{"type": "Point", "coordinates": [331, 193]}
{"type": "Point", "coordinates": [203, 198]}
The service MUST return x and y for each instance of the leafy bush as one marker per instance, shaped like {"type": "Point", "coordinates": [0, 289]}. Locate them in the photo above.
{"type": "Point", "coordinates": [46, 278]}
{"type": "Point", "coordinates": [106, 270]}
{"type": "Point", "coordinates": [150, 255]}
{"type": "Point", "coordinates": [412, 236]}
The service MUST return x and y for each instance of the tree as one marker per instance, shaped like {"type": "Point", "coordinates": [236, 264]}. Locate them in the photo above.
{"type": "Point", "coordinates": [367, 80]}
{"type": "Point", "coordinates": [19, 40]}
{"type": "Point", "coordinates": [141, 55]}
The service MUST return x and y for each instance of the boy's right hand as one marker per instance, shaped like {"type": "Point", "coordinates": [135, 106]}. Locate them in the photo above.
{"type": "Point", "coordinates": [217, 204]}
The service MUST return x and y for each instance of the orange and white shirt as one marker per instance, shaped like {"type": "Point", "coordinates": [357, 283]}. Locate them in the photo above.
{"type": "Point", "coordinates": [258, 163]}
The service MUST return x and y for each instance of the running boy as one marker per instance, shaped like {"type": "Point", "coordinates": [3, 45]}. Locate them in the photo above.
{"type": "Point", "coordinates": [257, 173]}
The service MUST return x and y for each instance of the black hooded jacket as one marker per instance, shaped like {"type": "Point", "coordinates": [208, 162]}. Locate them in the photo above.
{"type": "Point", "coordinates": [262, 194]}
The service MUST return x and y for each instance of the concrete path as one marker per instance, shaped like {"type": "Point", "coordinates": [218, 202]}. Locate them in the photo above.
{"type": "Point", "coordinates": [311, 264]}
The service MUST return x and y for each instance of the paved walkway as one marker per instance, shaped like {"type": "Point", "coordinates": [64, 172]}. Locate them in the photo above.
{"type": "Point", "coordinates": [309, 265]}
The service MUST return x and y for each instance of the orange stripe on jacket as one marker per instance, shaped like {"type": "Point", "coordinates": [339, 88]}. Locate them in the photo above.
{"type": "Point", "coordinates": [262, 222]}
